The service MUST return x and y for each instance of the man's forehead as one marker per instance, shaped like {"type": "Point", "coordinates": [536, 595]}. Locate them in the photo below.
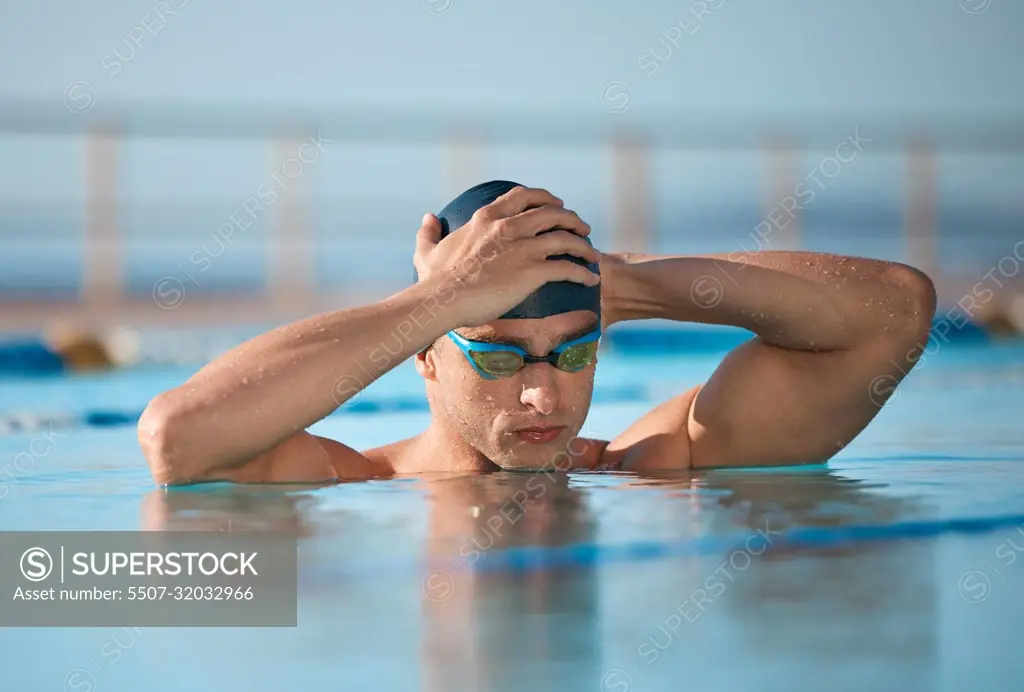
{"type": "Point", "coordinates": [559, 327]}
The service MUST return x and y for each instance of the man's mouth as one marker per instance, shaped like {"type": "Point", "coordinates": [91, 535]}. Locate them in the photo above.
{"type": "Point", "coordinates": [538, 434]}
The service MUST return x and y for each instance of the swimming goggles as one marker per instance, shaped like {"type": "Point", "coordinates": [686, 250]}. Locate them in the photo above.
{"type": "Point", "coordinates": [494, 361]}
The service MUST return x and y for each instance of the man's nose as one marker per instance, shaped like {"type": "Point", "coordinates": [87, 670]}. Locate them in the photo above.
{"type": "Point", "coordinates": [540, 391]}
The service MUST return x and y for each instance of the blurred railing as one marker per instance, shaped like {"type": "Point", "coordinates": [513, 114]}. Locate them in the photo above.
{"type": "Point", "coordinates": [291, 244]}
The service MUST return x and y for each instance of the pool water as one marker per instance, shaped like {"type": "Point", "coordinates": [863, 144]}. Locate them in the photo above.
{"type": "Point", "coordinates": [894, 567]}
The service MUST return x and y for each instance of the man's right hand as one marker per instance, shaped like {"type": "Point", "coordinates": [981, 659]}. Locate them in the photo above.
{"type": "Point", "coordinates": [501, 256]}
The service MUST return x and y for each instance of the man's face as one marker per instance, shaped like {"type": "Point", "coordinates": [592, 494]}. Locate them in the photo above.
{"type": "Point", "coordinates": [525, 420]}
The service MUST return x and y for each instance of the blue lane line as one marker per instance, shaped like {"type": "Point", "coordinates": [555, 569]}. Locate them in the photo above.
{"type": "Point", "coordinates": [28, 356]}
{"type": "Point", "coordinates": [530, 558]}
{"type": "Point", "coordinates": [584, 555]}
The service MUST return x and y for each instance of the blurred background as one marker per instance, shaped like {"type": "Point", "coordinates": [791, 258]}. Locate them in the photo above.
{"type": "Point", "coordinates": [190, 163]}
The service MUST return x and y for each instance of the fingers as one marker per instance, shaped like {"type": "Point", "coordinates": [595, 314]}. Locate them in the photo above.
{"type": "Point", "coordinates": [562, 243]}
{"type": "Point", "coordinates": [519, 199]}
{"type": "Point", "coordinates": [545, 218]}
{"type": "Point", "coordinates": [564, 270]}
{"type": "Point", "coordinates": [429, 234]}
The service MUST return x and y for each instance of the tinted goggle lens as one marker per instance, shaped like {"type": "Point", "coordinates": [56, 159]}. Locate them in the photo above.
{"type": "Point", "coordinates": [575, 358]}
{"type": "Point", "coordinates": [497, 363]}
{"type": "Point", "coordinates": [506, 363]}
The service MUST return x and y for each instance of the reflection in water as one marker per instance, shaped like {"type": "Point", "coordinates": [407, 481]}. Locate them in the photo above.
{"type": "Point", "coordinates": [855, 609]}
{"type": "Point", "coordinates": [857, 606]}
{"type": "Point", "coordinates": [502, 631]}
{"type": "Point", "coordinates": [227, 508]}
{"type": "Point", "coordinates": [863, 612]}
{"type": "Point", "coordinates": [479, 631]}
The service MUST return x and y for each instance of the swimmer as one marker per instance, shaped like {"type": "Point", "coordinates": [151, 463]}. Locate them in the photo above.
{"type": "Point", "coordinates": [503, 324]}
{"type": "Point", "coordinates": [65, 347]}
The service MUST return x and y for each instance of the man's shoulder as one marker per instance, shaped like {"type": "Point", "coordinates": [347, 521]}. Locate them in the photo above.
{"type": "Point", "coordinates": [350, 464]}
{"type": "Point", "coordinates": [392, 458]}
{"type": "Point", "coordinates": [587, 453]}
{"type": "Point", "coordinates": [658, 440]}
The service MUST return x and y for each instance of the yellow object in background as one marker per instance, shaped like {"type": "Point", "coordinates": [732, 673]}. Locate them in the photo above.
{"type": "Point", "coordinates": [83, 350]}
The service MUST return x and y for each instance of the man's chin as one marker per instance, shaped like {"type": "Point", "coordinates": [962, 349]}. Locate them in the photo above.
{"type": "Point", "coordinates": [551, 456]}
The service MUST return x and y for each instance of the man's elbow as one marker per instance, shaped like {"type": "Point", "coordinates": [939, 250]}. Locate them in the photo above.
{"type": "Point", "coordinates": [914, 301]}
{"type": "Point", "coordinates": [160, 432]}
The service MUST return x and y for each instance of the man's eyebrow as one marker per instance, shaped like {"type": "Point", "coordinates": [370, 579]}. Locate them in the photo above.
{"type": "Point", "coordinates": [490, 338]}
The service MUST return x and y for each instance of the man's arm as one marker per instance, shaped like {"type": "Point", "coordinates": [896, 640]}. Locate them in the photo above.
{"type": "Point", "coordinates": [834, 336]}
{"type": "Point", "coordinates": [251, 405]}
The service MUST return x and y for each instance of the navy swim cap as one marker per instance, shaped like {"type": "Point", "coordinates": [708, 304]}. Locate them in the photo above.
{"type": "Point", "coordinates": [553, 298]}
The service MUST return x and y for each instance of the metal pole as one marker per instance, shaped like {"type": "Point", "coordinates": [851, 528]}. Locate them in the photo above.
{"type": "Point", "coordinates": [291, 276]}
{"type": "Point", "coordinates": [462, 165]}
{"type": "Point", "coordinates": [920, 208]}
{"type": "Point", "coordinates": [785, 223]}
{"type": "Point", "coordinates": [631, 194]}
{"type": "Point", "coordinates": [102, 276]}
